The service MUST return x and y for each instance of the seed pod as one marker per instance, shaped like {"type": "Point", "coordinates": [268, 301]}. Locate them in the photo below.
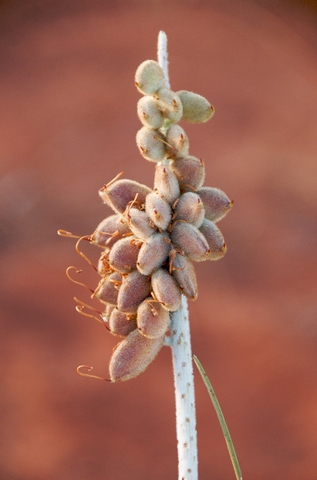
{"type": "Point", "coordinates": [108, 288]}
{"type": "Point", "coordinates": [106, 314]}
{"type": "Point", "coordinates": [153, 253]}
{"type": "Point", "coordinates": [124, 254]}
{"type": "Point", "coordinates": [196, 109]}
{"type": "Point", "coordinates": [152, 319]}
{"type": "Point", "coordinates": [216, 203]}
{"type": "Point", "coordinates": [109, 231]}
{"type": "Point", "coordinates": [149, 113]}
{"type": "Point", "coordinates": [119, 193]}
{"type": "Point", "coordinates": [134, 289]}
{"type": "Point", "coordinates": [184, 272]}
{"type": "Point", "coordinates": [133, 355]}
{"type": "Point", "coordinates": [140, 224]}
{"type": "Point", "coordinates": [178, 141]}
{"type": "Point", "coordinates": [170, 104]}
{"type": "Point", "coordinates": [151, 144]}
{"type": "Point", "coordinates": [149, 77]}
{"type": "Point", "coordinates": [215, 240]}
{"type": "Point", "coordinates": [166, 290]}
{"type": "Point", "coordinates": [121, 324]}
{"type": "Point", "coordinates": [190, 208]}
{"type": "Point", "coordinates": [166, 183]}
{"type": "Point", "coordinates": [191, 241]}
{"type": "Point", "coordinates": [158, 210]}
{"type": "Point", "coordinates": [190, 172]}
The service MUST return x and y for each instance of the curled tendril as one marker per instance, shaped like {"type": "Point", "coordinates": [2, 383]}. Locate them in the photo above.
{"type": "Point", "coordinates": [65, 233]}
{"type": "Point", "coordinates": [80, 308]}
{"type": "Point", "coordinates": [78, 369]}
{"type": "Point", "coordinates": [75, 281]}
{"type": "Point", "coordinates": [88, 238]}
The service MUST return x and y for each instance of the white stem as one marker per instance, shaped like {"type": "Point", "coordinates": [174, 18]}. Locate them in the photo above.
{"type": "Point", "coordinates": [182, 359]}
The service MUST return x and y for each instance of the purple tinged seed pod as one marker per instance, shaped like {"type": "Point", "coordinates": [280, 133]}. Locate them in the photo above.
{"type": "Point", "coordinates": [170, 104]}
{"type": "Point", "coordinates": [123, 255]}
{"type": "Point", "coordinates": [178, 142]}
{"type": "Point", "coordinates": [215, 240]}
{"type": "Point", "coordinates": [106, 314]}
{"type": "Point", "coordinates": [110, 231]}
{"type": "Point", "coordinates": [151, 144]}
{"type": "Point", "coordinates": [149, 77]}
{"type": "Point", "coordinates": [196, 109]}
{"type": "Point", "coordinates": [190, 208]}
{"type": "Point", "coordinates": [159, 210]}
{"type": "Point", "coordinates": [153, 253]}
{"type": "Point", "coordinates": [184, 272]}
{"type": "Point", "coordinates": [133, 355]}
{"type": "Point", "coordinates": [140, 224]}
{"type": "Point", "coordinates": [149, 113]}
{"type": "Point", "coordinates": [119, 193]}
{"type": "Point", "coordinates": [134, 289]}
{"type": "Point", "coordinates": [108, 289]}
{"type": "Point", "coordinates": [152, 319]}
{"type": "Point", "coordinates": [190, 172]}
{"type": "Point", "coordinates": [166, 290]}
{"type": "Point", "coordinates": [121, 324]}
{"type": "Point", "coordinates": [216, 203]}
{"type": "Point", "coordinates": [191, 241]}
{"type": "Point", "coordinates": [166, 183]}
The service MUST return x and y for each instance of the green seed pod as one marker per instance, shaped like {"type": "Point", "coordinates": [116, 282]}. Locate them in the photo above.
{"type": "Point", "coordinates": [134, 289]}
{"type": "Point", "coordinates": [119, 193]}
{"type": "Point", "coordinates": [140, 224]}
{"type": "Point", "coordinates": [166, 183]}
{"type": "Point", "coordinates": [166, 290]}
{"type": "Point", "coordinates": [151, 144]}
{"type": "Point", "coordinates": [170, 104]}
{"type": "Point", "coordinates": [121, 324]}
{"type": "Point", "coordinates": [152, 319]}
{"type": "Point", "coordinates": [191, 241]}
{"type": "Point", "coordinates": [190, 172]}
{"type": "Point", "coordinates": [215, 240]}
{"type": "Point", "coordinates": [196, 109]}
{"type": "Point", "coordinates": [216, 203]}
{"type": "Point", "coordinates": [149, 77]}
{"type": "Point", "coordinates": [153, 253]}
{"type": "Point", "coordinates": [133, 355]}
{"type": "Point", "coordinates": [108, 289]}
{"type": "Point", "coordinates": [110, 231]}
{"type": "Point", "coordinates": [123, 255]}
{"type": "Point", "coordinates": [159, 210]}
{"type": "Point", "coordinates": [184, 272]}
{"type": "Point", "coordinates": [178, 142]}
{"type": "Point", "coordinates": [190, 208]}
{"type": "Point", "coordinates": [149, 113]}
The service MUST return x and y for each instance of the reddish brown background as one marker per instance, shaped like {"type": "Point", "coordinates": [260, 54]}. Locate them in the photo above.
{"type": "Point", "coordinates": [68, 125]}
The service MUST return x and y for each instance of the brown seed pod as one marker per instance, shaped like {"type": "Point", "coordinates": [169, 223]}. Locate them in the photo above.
{"type": "Point", "coordinates": [152, 319]}
{"type": "Point", "coordinates": [196, 109]}
{"type": "Point", "coordinates": [170, 104]}
{"type": "Point", "coordinates": [149, 113]}
{"type": "Point", "coordinates": [166, 183]}
{"type": "Point", "coordinates": [166, 290]}
{"type": "Point", "coordinates": [184, 272]}
{"type": "Point", "coordinates": [119, 193]}
{"type": "Point", "coordinates": [177, 140]}
{"type": "Point", "coordinates": [190, 208]}
{"type": "Point", "coordinates": [123, 255]}
{"type": "Point", "coordinates": [153, 253]}
{"type": "Point", "coordinates": [134, 289]}
{"type": "Point", "coordinates": [191, 241]}
{"type": "Point", "coordinates": [110, 231]}
{"type": "Point", "coordinates": [151, 144]}
{"type": "Point", "coordinates": [133, 355]}
{"type": "Point", "coordinates": [190, 172]}
{"type": "Point", "coordinates": [158, 210]}
{"type": "Point", "coordinates": [121, 324]}
{"type": "Point", "coordinates": [216, 203]}
{"type": "Point", "coordinates": [215, 240]}
{"type": "Point", "coordinates": [149, 77]}
{"type": "Point", "coordinates": [104, 268]}
{"type": "Point", "coordinates": [108, 288]}
{"type": "Point", "coordinates": [140, 224]}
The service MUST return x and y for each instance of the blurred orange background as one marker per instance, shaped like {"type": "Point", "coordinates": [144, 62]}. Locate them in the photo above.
{"type": "Point", "coordinates": [68, 123]}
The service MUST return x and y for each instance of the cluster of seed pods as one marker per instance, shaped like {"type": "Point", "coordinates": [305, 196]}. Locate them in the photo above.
{"type": "Point", "coordinates": [150, 242]}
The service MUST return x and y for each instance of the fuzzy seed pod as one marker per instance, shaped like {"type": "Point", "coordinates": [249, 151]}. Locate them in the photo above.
{"type": "Point", "coordinates": [152, 319]}
{"type": "Point", "coordinates": [190, 208]}
{"type": "Point", "coordinates": [149, 113]}
{"type": "Point", "coordinates": [104, 268]}
{"type": "Point", "coordinates": [106, 314]}
{"type": "Point", "coordinates": [196, 109]}
{"type": "Point", "coordinates": [140, 224]}
{"type": "Point", "coordinates": [178, 141]}
{"type": "Point", "coordinates": [170, 104]}
{"type": "Point", "coordinates": [216, 203]}
{"type": "Point", "coordinates": [108, 289]}
{"type": "Point", "coordinates": [134, 289]}
{"type": "Point", "coordinates": [149, 77]}
{"type": "Point", "coordinates": [119, 193]}
{"type": "Point", "coordinates": [191, 241]}
{"type": "Point", "coordinates": [151, 144]}
{"type": "Point", "coordinates": [215, 240]}
{"type": "Point", "coordinates": [133, 355]}
{"type": "Point", "coordinates": [166, 183]}
{"type": "Point", "coordinates": [153, 253]}
{"type": "Point", "coordinates": [190, 172]}
{"type": "Point", "coordinates": [109, 231]}
{"type": "Point", "coordinates": [158, 210]}
{"type": "Point", "coordinates": [166, 290]}
{"type": "Point", "coordinates": [121, 324]}
{"type": "Point", "coordinates": [184, 272]}
{"type": "Point", "coordinates": [124, 254]}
